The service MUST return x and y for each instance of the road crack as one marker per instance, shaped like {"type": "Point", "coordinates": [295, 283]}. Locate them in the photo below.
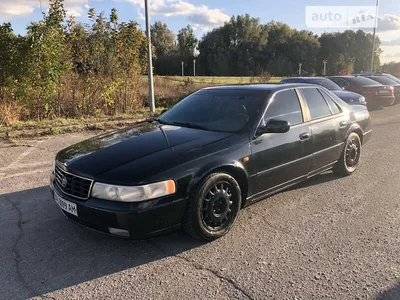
{"type": "Point", "coordinates": [200, 267]}
{"type": "Point", "coordinates": [268, 222]}
{"type": "Point", "coordinates": [17, 255]}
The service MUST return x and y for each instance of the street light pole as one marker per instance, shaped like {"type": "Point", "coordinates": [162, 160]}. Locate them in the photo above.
{"type": "Point", "coordinates": [300, 64]}
{"type": "Point", "coordinates": [194, 67]}
{"type": "Point", "coordinates": [325, 62]}
{"type": "Point", "coordinates": [149, 59]}
{"type": "Point", "coordinates": [374, 35]}
{"type": "Point", "coordinates": [182, 63]}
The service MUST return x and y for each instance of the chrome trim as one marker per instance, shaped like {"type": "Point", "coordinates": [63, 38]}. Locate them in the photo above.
{"type": "Point", "coordinates": [287, 184]}
{"type": "Point", "coordinates": [330, 148]}
{"type": "Point", "coordinates": [272, 189]}
{"type": "Point", "coordinates": [57, 180]}
{"type": "Point", "coordinates": [297, 160]}
{"type": "Point", "coordinates": [368, 132]}
{"type": "Point", "coordinates": [285, 164]}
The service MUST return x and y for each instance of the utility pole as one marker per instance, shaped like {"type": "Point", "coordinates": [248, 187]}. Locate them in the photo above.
{"type": "Point", "coordinates": [194, 67]}
{"type": "Point", "coordinates": [149, 59]}
{"type": "Point", "coordinates": [182, 63]}
{"type": "Point", "coordinates": [325, 62]}
{"type": "Point", "coordinates": [374, 35]}
{"type": "Point", "coordinates": [300, 65]}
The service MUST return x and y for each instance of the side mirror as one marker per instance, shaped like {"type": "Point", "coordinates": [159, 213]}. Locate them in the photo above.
{"type": "Point", "coordinates": [275, 126]}
{"type": "Point", "coordinates": [163, 111]}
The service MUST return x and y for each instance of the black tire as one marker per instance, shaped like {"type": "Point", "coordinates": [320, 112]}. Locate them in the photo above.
{"type": "Point", "coordinates": [350, 158]}
{"type": "Point", "coordinates": [213, 207]}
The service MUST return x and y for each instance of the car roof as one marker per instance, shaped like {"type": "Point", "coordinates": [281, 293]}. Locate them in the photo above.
{"type": "Point", "coordinates": [267, 87]}
{"type": "Point", "coordinates": [306, 78]}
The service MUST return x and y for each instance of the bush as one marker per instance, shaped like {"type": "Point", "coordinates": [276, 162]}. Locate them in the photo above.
{"type": "Point", "coordinates": [10, 113]}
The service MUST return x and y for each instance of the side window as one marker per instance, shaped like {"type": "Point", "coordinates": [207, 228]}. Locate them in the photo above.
{"type": "Point", "coordinates": [340, 82]}
{"type": "Point", "coordinates": [284, 106]}
{"type": "Point", "coordinates": [316, 103]}
{"type": "Point", "coordinates": [332, 104]}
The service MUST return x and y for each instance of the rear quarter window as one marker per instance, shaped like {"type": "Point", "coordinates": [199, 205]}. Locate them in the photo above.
{"type": "Point", "coordinates": [316, 103]}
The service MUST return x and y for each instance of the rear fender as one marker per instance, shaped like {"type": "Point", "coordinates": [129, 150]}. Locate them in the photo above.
{"type": "Point", "coordinates": [355, 128]}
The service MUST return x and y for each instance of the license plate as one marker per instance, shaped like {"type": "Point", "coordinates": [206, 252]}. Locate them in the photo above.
{"type": "Point", "coordinates": [65, 205]}
{"type": "Point", "coordinates": [384, 92]}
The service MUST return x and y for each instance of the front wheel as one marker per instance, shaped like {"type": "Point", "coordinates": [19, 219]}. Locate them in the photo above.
{"type": "Point", "coordinates": [213, 207]}
{"type": "Point", "coordinates": [350, 158]}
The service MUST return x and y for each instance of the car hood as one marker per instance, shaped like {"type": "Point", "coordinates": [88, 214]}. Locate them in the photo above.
{"type": "Point", "coordinates": [145, 142]}
{"type": "Point", "coordinates": [346, 95]}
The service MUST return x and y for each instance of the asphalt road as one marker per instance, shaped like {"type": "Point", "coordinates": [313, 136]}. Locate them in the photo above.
{"type": "Point", "coordinates": [328, 238]}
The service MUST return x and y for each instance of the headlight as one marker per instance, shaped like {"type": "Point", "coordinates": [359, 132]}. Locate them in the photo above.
{"type": "Point", "coordinates": [362, 99]}
{"type": "Point", "coordinates": [133, 193]}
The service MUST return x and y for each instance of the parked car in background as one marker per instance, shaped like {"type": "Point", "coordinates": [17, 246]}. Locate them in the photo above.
{"type": "Point", "coordinates": [390, 76]}
{"type": "Point", "coordinates": [215, 152]}
{"type": "Point", "coordinates": [347, 96]}
{"type": "Point", "coordinates": [376, 94]}
{"type": "Point", "coordinates": [387, 81]}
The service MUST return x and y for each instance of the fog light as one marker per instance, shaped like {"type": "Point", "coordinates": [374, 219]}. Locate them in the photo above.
{"type": "Point", "coordinates": [117, 231]}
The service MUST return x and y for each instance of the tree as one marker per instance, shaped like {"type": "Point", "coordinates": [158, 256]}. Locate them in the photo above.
{"type": "Point", "coordinates": [288, 47]}
{"type": "Point", "coordinates": [162, 39]}
{"type": "Point", "coordinates": [187, 42]}
{"type": "Point", "coordinates": [237, 48]}
{"type": "Point", "coordinates": [392, 68]}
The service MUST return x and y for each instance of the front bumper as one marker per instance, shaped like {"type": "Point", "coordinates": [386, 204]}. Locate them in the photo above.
{"type": "Point", "coordinates": [134, 220]}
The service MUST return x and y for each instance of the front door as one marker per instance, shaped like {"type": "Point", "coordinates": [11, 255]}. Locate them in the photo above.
{"type": "Point", "coordinates": [280, 158]}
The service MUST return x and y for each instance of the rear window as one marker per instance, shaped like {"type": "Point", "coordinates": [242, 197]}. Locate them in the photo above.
{"type": "Point", "coordinates": [363, 81]}
{"type": "Point", "coordinates": [382, 80]}
{"type": "Point", "coordinates": [394, 78]}
{"type": "Point", "coordinates": [334, 107]}
{"type": "Point", "coordinates": [316, 103]}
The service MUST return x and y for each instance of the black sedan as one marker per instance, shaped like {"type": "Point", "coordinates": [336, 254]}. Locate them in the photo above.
{"type": "Point", "coordinates": [376, 94]}
{"type": "Point", "coordinates": [347, 96]}
{"type": "Point", "coordinates": [217, 151]}
{"type": "Point", "coordinates": [387, 81]}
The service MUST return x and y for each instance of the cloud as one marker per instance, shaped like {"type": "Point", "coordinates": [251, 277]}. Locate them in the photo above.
{"type": "Point", "coordinates": [391, 43]}
{"type": "Point", "coordinates": [200, 16]}
{"type": "Point", "coordinates": [388, 23]}
{"type": "Point", "coordinates": [18, 8]}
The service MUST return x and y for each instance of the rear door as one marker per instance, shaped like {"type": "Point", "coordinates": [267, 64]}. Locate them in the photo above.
{"type": "Point", "coordinates": [279, 158]}
{"type": "Point", "coordinates": [327, 125]}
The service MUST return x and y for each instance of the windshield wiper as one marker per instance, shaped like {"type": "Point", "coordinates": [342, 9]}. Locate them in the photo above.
{"type": "Point", "coordinates": [191, 125]}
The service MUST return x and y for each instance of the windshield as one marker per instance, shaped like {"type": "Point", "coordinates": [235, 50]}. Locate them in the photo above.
{"type": "Point", "coordinates": [216, 110]}
{"type": "Point", "coordinates": [382, 80]}
{"type": "Point", "coordinates": [326, 83]}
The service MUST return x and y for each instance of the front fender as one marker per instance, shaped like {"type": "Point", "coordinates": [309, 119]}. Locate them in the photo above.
{"type": "Point", "coordinates": [236, 167]}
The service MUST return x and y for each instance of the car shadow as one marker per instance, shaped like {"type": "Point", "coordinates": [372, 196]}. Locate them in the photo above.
{"type": "Point", "coordinates": [43, 252]}
{"type": "Point", "coordinates": [392, 294]}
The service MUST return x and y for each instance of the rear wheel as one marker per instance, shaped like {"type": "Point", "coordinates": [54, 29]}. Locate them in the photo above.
{"type": "Point", "coordinates": [350, 158]}
{"type": "Point", "coordinates": [213, 207]}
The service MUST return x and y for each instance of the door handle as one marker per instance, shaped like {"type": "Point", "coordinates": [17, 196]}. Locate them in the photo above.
{"type": "Point", "coordinates": [305, 136]}
{"type": "Point", "coordinates": [343, 124]}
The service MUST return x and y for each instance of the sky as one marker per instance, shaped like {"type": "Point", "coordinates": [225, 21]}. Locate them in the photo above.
{"type": "Point", "coordinates": [204, 15]}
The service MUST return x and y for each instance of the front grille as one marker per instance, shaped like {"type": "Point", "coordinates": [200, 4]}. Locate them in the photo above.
{"type": "Point", "coordinates": [72, 185]}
